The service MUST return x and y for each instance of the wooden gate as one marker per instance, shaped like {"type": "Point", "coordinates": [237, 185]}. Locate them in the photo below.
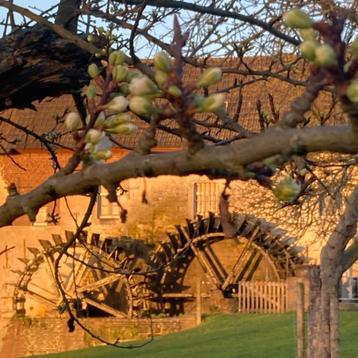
{"type": "Point", "coordinates": [262, 297]}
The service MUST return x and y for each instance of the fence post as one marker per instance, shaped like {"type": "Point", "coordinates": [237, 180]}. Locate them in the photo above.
{"type": "Point", "coordinates": [198, 301]}
{"type": "Point", "coordinates": [300, 319]}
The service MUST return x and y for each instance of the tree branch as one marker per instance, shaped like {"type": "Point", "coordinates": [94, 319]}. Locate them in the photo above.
{"type": "Point", "coordinates": [215, 161]}
{"type": "Point", "coordinates": [172, 4]}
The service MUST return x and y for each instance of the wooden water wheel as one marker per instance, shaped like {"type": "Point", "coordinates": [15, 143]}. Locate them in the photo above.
{"type": "Point", "coordinates": [259, 251]}
{"type": "Point", "coordinates": [97, 275]}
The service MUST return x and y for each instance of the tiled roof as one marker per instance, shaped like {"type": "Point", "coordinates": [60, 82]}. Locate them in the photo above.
{"type": "Point", "coordinates": [44, 121]}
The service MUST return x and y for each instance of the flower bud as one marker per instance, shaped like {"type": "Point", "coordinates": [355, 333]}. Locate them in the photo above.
{"type": "Point", "coordinates": [125, 128]}
{"type": "Point", "coordinates": [93, 70]}
{"type": "Point", "coordinates": [287, 190]}
{"type": "Point", "coordinates": [308, 49]}
{"type": "Point", "coordinates": [118, 104]}
{"type": "Point", "coordinates": [161, 77]}
{"type": "Point", "coordinates": [91, 92]}
{"type": "Point", "coordinates": [142, 86]}
{"type": "Point", "coordinates": [100, 119]}
{"type": "Point", "coordinates": [101, 53]}
{"type": "Point", "coordinates": [141, 106]}
{"type": "Point", "coordinates": [118, 119]}
{"type": "Point", "coordinates": [93, 136]}
{"type": "Point", "coordinates": [103, 144]}
{"type": "Point", "coordinates": [117, 58]}
{"type": "Point", "coordinates": [209, 77]}
{"type": "Point", "coordinates": [325, 56]}
{"type": "Point", "coordinates": [297, 19]}
{"type": "Point", "coordinates": [119, 73]}
{"type": "Point", "coordinates": [212, 103]}
{"type": "Point", "coordinates": [162, 62]}
{"type": "Point", "coordinates": [352, 92]}
{"type": "Point", "coordinates": [174, 91]}
{"type": "Point", "coordinates": [73, 121]}
{"type": "Point", "coordinates": [124, 89]}
{"type": "Point", "coordinates": [101, 154]}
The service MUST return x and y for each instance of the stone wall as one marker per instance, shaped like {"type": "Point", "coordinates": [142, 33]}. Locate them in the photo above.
{"type": "Point", "coordinates": [26, 336]}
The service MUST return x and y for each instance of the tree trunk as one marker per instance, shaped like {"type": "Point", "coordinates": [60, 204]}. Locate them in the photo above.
{"type": "Point", "coordinates": [323, 332]}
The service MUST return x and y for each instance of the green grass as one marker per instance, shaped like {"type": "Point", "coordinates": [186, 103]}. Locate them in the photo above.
{"type": "Point", "coordinates": [229, 336]}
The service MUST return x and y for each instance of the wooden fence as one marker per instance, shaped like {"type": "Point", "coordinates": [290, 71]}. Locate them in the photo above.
{"type": "Point", "coordinates": [262, 297]}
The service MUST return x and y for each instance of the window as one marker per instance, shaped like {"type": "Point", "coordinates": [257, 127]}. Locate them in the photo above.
{"type": "Point", "coordinates": [106, 210]}
{"type": "Point", "coordinates": [41, 217]}
{"type": "Point", "coordinates": [207, 196]}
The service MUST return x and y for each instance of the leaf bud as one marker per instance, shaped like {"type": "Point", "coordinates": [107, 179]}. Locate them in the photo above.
{"type": "Point", "coordinates": [174, 91]}
{"type": "Point", "coordinates": [297, 19]}
{"type": "Point", "coordinates": [93, 136]}
{"type": "Point", "coordinates": [325, 56]}
{"type": "Point", "coordinates": [209, 77]}
{"type": "Point", "coordinates": [133, 74]}
{"type": "Point", "coordinates": [117, 104]}
{"type": "Point", "coordinates": [142, 86]}
{"type": "Point", "coordinates": [119, 73]}
{"type": "Point", "coordinates": [91, 92]}
{"type": "Point", "coordinates": [100, 119]}
{"type": "Point", "coordinates": [141, 106]}
{"type": "Point", "coordinates": [162, 62]}
{"type": "Point", "coordinates": [73, 121]}
{"type": "Point", "coordinates": [287, 190]}
{"type": "Point", "coordinates": [352, 92]}
{"type": "Point", "coordinates": [93, 70]}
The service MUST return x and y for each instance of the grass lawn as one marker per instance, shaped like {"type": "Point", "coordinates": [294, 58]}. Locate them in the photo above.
{"type": "Point", "coordinates": [229, 336]}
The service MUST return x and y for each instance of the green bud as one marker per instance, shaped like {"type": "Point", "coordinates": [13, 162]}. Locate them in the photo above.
{"type": "Point", "coordinates": [213, 103]}
{"type": "Point", "coordinates": [354, 47]}
{"type": "Point", "coordinates": [352, 92]}
{"type": "Point", "coordinates": [93, 136]}
{"type": "Point", "coordinates": [287, 190]}
{"type": "Point", "coordinates": [174, 91]}
{"type": "Point", "coordinates": [124, 89]}
{"type": "Point", "coordinates": [142, 86]}
{"type": "Point", "coordinates": [102, 154]}
{"type": "Point", "coordinates": [325, 56]}
{"type": "Point", "coordinates": [125, 128]}
{"type": "Point", "coordinates": [91, 92]}
{"type": "Point", "coordinates": [307, 34]}
{"type": "Point", "coordinates": [161, 77]}
{"type": "Point", "coordinates": [297, 19]}
{"type": "Point", "coordinates": [100, 119]}
{"type": "Point", "coordinates": [133, 74]}
{"type": "Point", "coordinates": [162, 62]}
{"type": "Point", "coordinates": [117, 58]}
{"type": "Point", "coordinates": [118, 119]}
{"type": "Point", "coordinates": [141, 106]}
{"type": "Point", "coordinates": [101, 53]}
{"type": "Point", "coordinates": [209, 77]}
{"type": "Point", "coordinates": [93, 70]}
{"type": "Point", "coordinates": [73, 121]}
{"type": "Point", "coordinates": [91, 38]}
{"type": "Point", "coordinates": [308, 49]}
{"type": "Point", "coordinates": [119, 73]}
{"type": "Point", "coordinates": [118, 104]}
